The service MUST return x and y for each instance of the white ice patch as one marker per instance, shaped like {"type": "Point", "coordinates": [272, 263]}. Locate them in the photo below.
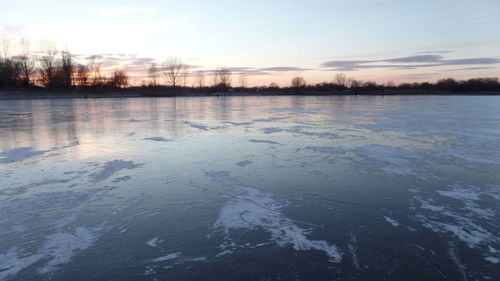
{"type": "Point", "coordinates": [425, 204]}
{"type": "Point", "coordinates": [460, 193]}
{"type": "Point", "coordinates": [352, 250]}
{"type": "Point", "coordinates": [466, 221]}
{"type": "Point", "coordinates": [391, 221]}
{"type": "Point", "coordinates": [252, 209]}
{"type": "Point", "coordinates": [154, 242]}
{"type": "Point", "coordinates": [59, 248]}
{"type": "Point", "coordinates": [494, 255]}
{"type": "Point", "coordinates": [197, 259]}
{"type": "Point", "coordinates": [167, 257]}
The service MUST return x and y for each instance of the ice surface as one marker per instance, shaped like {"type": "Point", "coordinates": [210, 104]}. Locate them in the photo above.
{"type": "Point", "coordinates": [83, 184]}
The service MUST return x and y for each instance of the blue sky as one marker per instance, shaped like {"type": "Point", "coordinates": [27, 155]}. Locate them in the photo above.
{"type": "Point", "coordinates": [275, 40]}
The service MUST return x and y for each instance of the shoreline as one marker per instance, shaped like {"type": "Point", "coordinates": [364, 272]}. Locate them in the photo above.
{"type": "Point", "coordinates": [131, 93]}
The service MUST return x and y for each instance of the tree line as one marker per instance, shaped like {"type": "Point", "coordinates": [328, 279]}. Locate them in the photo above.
{"type": "Point", "coordinates": [52, 68]}
{"type": "Point", "coordinates": [342, 84]}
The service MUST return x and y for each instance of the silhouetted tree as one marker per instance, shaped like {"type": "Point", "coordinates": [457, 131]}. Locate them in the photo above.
{"type": "Point", "coordinates": [298, 82]}
{"type": "Point", "coordinates": [243, 79]}
{"type": "Point", "coordinates": [200, 79]}
{"type": "Point", "coordinates": [119, 79]}
{"type": "Point", "coordinates": [9, 68]}
{"type": "Point", "coordinates": [94, 65]}
{"type": "Point", "coordinates": [341, 81]}
{"type": "Point", "coordinates": [273, 85]}
{"type": "Point", "coordinates": [66, 70]}
{"type": "Point", "coordinates": [48, 64]}
{"type": "Point", "coordinates": [354, 85]}
{"type": "Point", "coordinates": [222, 78]}
{"type": "Point", "coordinates": [173, 71]}
{"type": "Point", "coordinates": [26, 64]}
{"type": "Point", "coordinates": [153, 75]}
{"type": "Point", "coordinates": [448, 84]}
{"type": "Point", "coordinates": [82, 75]}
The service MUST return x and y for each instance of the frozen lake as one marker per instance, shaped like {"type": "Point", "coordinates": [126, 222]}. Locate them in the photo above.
{"type": "Point", "coordinates": [250, 188]}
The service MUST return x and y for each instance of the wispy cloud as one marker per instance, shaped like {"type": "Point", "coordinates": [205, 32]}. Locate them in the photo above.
{"type": "Point", "coordinates": [435, 52]}
{"type": "Point", "coordinates": [283, 69]}
{"type": "Point", "coordinates": [408, 62]}
{"type": "Point", "coordinates": [9, 31]}
{"type": "Point", "coordinates": [127, 12]}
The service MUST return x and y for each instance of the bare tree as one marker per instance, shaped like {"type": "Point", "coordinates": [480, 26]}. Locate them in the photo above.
{"type": "Point", "coordinates": [184, 75]}
{"type": "Point", "coordinates": [222, 78]}
{"type": "Point", "coordinates": [9, 68]}
{"type": "Point", "coordinates": [119, 79]}
{"type": "Point", "coordinates": [153, 75]}
{"type": "Point", "coordinates": [5, 49]}
{"type": "Point", "coordinates": [94, 64]}
{"type": "Point", "coordinates": [82, 75]}
{"type": "Point", "coordinates": [341, 80]}
{"type": "Point", "coordinates": [298, 82]}
{"type": "Point", "coordinates": [243, 79]}
{"type": "Point", "coordinates": [67, 69]}
{"type": "Point", "coordinates": [173, 71]}
{"type": "Point", "coordinates": [355, 85]}
{"type": "Point", "coordinates": [200, 79]}
{"type": "Point", "coordinates": [26, 63]}
{"type": "Point", "coordinates": [48, 64]}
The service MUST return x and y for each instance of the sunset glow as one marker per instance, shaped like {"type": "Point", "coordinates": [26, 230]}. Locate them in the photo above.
{"type": "Point", "coordinates": [273, 41]}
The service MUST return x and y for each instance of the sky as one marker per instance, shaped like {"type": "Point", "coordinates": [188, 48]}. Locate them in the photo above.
{"type": "Point", "coordinates": [273, 40]}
